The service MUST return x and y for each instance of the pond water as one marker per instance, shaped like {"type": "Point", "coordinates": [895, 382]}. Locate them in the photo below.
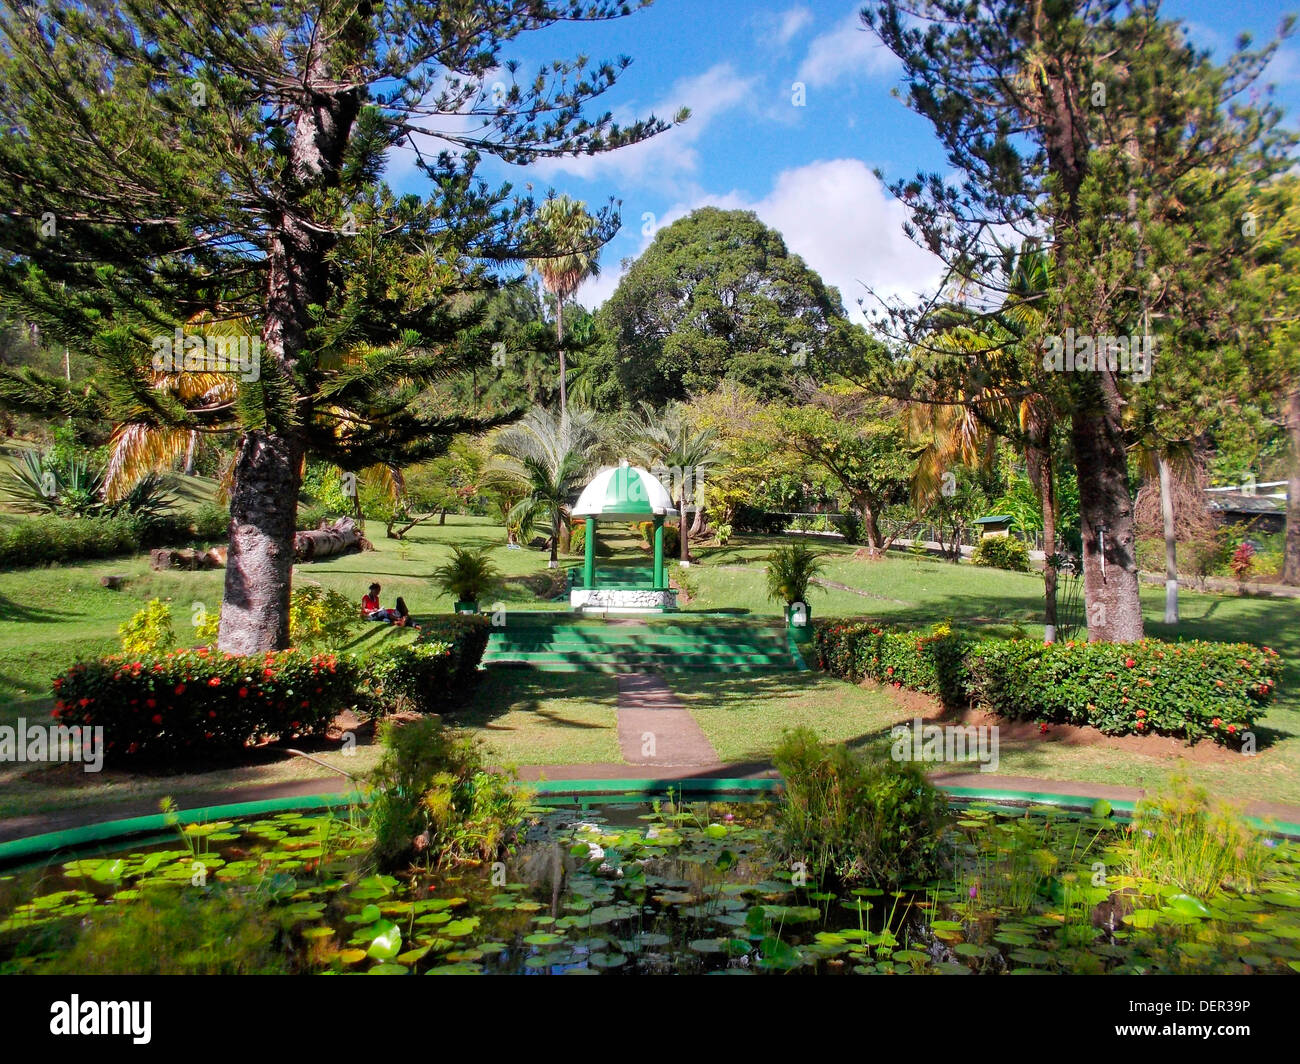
{"type": "Point", "coordinates": [687, 888]}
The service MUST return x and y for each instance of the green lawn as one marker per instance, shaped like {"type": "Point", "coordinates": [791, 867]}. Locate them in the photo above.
{"type": "Point", "coordinates": [50, 617]}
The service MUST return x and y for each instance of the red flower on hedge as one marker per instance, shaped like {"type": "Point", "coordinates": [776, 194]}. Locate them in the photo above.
{"type": "Point", "coordinates": [83, 702]}
{"type": "Point", "coordinates": [1042, 728]}
{"type": "Point", "coordinates": [211, 713]}
{"type": "Point", "coordinates": [268, 674]}
{"type": "Point", "coordinates": [215, 681]}
{"type": "Point", "coordinates": [151, 702]}
{"type": "Point", "coordinates": [1129, 663]}
{"type": "Point", "coordinates": [1141, 713]}
{"type": "Point", "coordinates": [243, 692]}
{"type": "Point", "coordinates": [156, 718]}
{"type": "Point", "coordinates": [1140, 726]}
{"type": "Point", "coordinates": [1232, 729]}
{"type": "Point", "coordinates": [1216, 722]}
{"type": "Point", "coordinates": [180, 688]}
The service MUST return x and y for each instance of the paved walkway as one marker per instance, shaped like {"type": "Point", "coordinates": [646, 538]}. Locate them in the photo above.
{"type": "Point", "coordinates": [655, 729]}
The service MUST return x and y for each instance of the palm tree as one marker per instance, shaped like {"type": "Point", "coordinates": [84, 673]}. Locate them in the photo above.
{"type": "Point", "coordinates": [564, 227]}
{"type": "Point", "coordinates": [671, 439]}
{"type": "Point", "coordinates": [546, 459]}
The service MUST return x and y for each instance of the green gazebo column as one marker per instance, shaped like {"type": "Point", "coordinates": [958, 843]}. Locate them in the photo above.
{"type": "Point", "coordinates": [589, 554]}
{"type": "Point", "coordinates": [659, 551]}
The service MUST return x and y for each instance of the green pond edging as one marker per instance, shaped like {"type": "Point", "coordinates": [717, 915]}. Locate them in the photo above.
{"type": "Point", "coordinates": [110, 830]}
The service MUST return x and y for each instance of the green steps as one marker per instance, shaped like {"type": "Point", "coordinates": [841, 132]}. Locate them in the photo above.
{"type": "Point", "coordinates": [561, 647]}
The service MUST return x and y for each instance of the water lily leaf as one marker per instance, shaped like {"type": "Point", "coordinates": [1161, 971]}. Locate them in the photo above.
{"type": "Point", "coordinates": [457, 928]}
{"type": "Point", "coordinates": [1188, 905]}
{"type": "Point", "coordinates": [387, 942]}
{"type": "Point", "coordinates": [607, 960]}
{"type": "Point", "coordinates": [389, 969]}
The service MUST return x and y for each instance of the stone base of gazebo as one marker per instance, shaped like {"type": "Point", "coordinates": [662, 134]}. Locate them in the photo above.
{"type": "Point", "coordinates": [622, 599]}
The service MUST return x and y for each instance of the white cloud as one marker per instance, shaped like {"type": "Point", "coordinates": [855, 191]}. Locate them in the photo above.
{"type": "Point", "coordinates": [776, 29]}
{"type": "Point", "coordinates": [840, 219]}
{"type": "Point", "coordinates": [847, 50]}
{"type": "Point", "coordinates": [663, 161]}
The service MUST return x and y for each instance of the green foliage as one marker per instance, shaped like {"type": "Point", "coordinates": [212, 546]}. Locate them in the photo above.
{"type": "Point", "coordinates": [933, 662]}
{"type": "Point", "coordinates": [862, 820]}
{"type": "Point", "coordinates": [723, 533]}
{"type": "Point", "coordinates": [412, 677]}
{"type": "Point", "coordinates": [1001, 552]}
{"type": "Point", "coordinates": [149, 631]}
{"type": "Point", "coordinates": [468, 636]}
{"type": "Point", "coordinates": [321, 617]}
{"type": "Point", "coordinates": [175, 931]}
{"type": "Point", "coordinates": [65, 539]}
{"type": "Point", "coordinates": [1190, 689]}
{"type": "Point", "coordinates": [716, 296]}
{"type": "Point", "coordinates": [193, 701]}
{"type": "Point", "coordinates": [434, 800]}
{"type": "Point", "coordinates": [469, 575]}
{"type": "Point", "coordinates": [1182, 838]}
{"type": "Point", "coordinates": [672, 537]}
{"type": "Point", "coordinates": [790, 570]}
{"type": "Point", "coordinates": [849, 525]}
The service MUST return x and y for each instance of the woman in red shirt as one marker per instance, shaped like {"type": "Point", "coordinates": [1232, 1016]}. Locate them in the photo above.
{"type": "Point", "coordinates": [370, 607]}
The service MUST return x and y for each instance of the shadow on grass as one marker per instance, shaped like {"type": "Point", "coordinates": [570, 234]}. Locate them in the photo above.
{"type": "Point", "coordinates": [21, 613]}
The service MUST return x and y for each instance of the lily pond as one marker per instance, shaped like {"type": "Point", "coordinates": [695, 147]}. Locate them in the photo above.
{"type": "Point", "coordinates": [657, 888]}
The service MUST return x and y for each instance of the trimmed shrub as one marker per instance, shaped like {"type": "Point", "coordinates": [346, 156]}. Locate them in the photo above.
{"type": "Point", "coordinates": [467, 635]}
{"type": "Point", "coordinates": [933, 662]}
{"type": "Point", "coordinates": [1191, 689]}
{"type": "Point", "coordinates": [412, 676]}
{"type": "Point", "coordinates": [320, 616]}
{"type": "Point", "coordinates": [195, 700]}
{"type": "Point", "coordinates": [1001, 552]}
{"type": "Point", "coordinates": [862, 820]}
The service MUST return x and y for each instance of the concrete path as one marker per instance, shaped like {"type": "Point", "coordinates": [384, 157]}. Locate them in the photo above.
{"type": "Point", "coordinates": [655, 729]}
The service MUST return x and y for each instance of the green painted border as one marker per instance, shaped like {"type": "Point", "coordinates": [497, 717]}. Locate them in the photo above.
{"type": "Point", "coordinates": [53, 841]}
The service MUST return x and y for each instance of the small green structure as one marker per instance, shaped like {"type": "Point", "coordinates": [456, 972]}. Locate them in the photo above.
{"type": "Point", "coordinates": [995, 526]}
{"type": "Point", "coordinates": [623, 493]}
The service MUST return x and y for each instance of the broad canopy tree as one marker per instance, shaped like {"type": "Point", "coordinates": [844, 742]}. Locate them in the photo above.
{"type": "Point", "coordinates": [165, 161]}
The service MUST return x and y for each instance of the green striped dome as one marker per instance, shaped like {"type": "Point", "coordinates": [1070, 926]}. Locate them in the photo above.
{"type": "Point", "coordinates": [624, 492]}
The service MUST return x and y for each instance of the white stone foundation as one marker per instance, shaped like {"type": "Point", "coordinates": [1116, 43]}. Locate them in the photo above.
{"type": "Point", "coordinates": [622, 600]}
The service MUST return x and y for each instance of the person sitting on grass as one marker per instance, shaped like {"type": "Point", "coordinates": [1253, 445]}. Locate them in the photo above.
{"type": "Point", "coordinates": [372, 611]}
{"type": "Point", "coordinates": [403, 615]}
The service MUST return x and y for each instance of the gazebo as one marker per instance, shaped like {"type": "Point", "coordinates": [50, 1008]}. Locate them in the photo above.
{"type": "Point", "coordinates": [623, 493]}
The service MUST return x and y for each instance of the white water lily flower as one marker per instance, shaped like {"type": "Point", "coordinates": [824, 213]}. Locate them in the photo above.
{"type": "Point", "coordinates": [594, 852]}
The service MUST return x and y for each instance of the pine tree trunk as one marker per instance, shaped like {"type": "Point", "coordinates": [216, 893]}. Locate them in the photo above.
{"type": "Point", "coordinates": [1044, 480]}
{"type": "Point", "coordinates": [559, 339]}
{"type": "Point", "coordinates": [1291, 562]}
{"type": "Point", "coordinates": [1110, 580]}
{"type": "Point", "coordinates": [870, 525]}
{"type": "Point", "coordinates": [189, 454]}
{"type": "Point", "coordinates": [268, 467]}
{"type": "Point", "coordinates": [259, 567]}
{"type": "Point", "coordinates": [1171, 540]}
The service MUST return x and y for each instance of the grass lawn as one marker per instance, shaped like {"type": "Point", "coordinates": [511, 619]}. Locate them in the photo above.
{"type": "Point", "coordinates": [50, 617]}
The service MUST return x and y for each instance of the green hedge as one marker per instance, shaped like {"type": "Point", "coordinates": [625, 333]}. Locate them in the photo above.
{"type": "Point", "coordinates": [1001, 552]}
{"type": "Point", "coordinates": [1190, 689]}
{"type": "Point", "coordinates": [468, 635]}
{"type": "Point", "coordinates": [196, 700]}
{"type": "Point", "coordinates": [48, 540]}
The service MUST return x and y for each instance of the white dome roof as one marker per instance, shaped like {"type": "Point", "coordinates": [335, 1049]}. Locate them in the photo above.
{"type": "Point", "coordinates": [624, 492]}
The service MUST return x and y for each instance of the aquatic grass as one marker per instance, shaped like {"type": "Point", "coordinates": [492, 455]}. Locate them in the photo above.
{"type": "Point", "coordinates": [1183, 838]}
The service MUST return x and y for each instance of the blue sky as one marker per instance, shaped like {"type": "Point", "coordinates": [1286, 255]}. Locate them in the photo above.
{"type": "Point", "coordinates": [806, 170]}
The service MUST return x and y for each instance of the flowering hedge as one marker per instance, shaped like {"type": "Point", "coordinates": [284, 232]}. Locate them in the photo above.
{"type": "Point", "coordinates": [1191, 689]}
{"type": "Point", "coordinates": [195, 700]}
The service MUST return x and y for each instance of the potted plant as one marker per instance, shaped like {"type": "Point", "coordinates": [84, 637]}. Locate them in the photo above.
{"type": "Point", "coordinates": [789, 572]}
{"type": "Point", "coordinates": [467, 576]}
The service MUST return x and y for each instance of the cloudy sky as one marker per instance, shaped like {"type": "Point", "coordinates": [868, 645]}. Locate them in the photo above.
{"type": "Point", "coordinates": [792, 112]}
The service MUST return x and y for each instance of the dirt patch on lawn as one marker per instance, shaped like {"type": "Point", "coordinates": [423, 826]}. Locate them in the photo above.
{"type": "Point", "coordinates": [1024, 733]}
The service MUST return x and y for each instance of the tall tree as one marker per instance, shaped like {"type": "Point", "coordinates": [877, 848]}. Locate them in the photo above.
{"type": "Point", "coordinates": [1099, 125]}
{"type": "Point", "coordinates": [671, 443]}
{"type": "Point", "coordinates": [718, 295]}
{"type": "Point", "coordinates": [571, 239]}
{"type": "Point", "coordinates": [161, 161]}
